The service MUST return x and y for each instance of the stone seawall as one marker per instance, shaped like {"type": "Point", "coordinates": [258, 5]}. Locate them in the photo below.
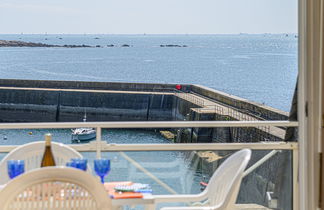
{"type": "Point", "coordinates": [19, 105]}
{"type": "Point", "coordinates": [67, 101]}
{"type": "Point", "coordinates": [252, 108]}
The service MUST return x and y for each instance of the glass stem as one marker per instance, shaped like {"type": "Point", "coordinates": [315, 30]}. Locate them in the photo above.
{"type": "Point", "coordinates": [102, 179]}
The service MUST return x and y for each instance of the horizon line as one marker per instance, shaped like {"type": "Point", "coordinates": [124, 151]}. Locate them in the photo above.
{"type": "Point", "coordinates": [241, 33]}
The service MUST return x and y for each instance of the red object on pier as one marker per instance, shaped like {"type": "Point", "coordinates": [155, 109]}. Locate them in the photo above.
{"type": "Point", "coordinates": [178, 87]}
{"type": "Point", "coordinates": [204, 184]}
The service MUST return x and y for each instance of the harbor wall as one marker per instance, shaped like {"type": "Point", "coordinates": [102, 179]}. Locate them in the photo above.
{"type": "Point", "coordinates": [228, 99]}
{"type": "Point", "coordinates": [244, 105]}
{"type": "Point", "coordinates": [68, 101]}
{"type": "Point", "coordinates": [70, 106]}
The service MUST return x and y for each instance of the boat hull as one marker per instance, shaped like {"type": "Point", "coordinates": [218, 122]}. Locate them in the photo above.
{"type": "Point", "coordinates": [83, 137]}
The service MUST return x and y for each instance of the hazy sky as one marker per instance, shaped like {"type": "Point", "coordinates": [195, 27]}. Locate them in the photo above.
{"type": "Point", "coordinates": [148, 16]}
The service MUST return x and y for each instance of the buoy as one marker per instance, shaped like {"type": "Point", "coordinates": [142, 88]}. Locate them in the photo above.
{"type": "Point", "coordinates": [5, 138]}
{"type": "Point", "coordinates": [178, 87]}
{"type": "Point", "coordinates": [30, 133]}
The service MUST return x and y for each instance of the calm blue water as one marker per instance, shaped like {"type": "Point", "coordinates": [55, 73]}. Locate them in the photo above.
{"type": "Point", "coordinates": [262, 68]}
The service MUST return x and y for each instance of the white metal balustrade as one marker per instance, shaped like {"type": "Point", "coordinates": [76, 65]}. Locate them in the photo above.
{"type": "Point", "coordinates": [99, 146]}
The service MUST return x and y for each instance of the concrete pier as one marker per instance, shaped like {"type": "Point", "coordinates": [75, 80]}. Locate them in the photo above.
{"type": "Point", "coordinates": [67, 101]}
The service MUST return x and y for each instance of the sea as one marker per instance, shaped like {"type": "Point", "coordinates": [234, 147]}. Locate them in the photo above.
{"type": "Point", "coordinates": [260, 67]}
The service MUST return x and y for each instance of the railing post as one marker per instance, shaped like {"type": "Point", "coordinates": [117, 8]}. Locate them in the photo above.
{"type": "Point", "coordinates": [98, 142]}
{"type": "Point", "coordinates": [295, 181]}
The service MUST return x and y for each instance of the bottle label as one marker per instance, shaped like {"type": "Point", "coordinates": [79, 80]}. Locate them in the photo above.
{"type": "Point", "coordinates": [48, 142]}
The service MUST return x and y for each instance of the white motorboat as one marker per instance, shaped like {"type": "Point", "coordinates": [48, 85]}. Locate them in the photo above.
{"type": "Point", "coordinates": [83, 134]}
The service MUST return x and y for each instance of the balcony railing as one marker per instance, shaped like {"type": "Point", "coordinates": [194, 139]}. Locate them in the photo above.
{"type": "Point", "coordinates": [123, 150]}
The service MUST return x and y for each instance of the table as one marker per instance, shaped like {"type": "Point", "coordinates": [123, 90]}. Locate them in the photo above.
{"type": "Point", "coordinates": [147, 199]}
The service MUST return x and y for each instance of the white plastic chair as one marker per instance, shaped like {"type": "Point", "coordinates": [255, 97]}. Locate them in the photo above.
{"type": "Point", "coordinates": [222, 189]}
{"type": "Point", "coordinates": [32, 154]}
{"type": "Point", "coordinates": [55, 188]}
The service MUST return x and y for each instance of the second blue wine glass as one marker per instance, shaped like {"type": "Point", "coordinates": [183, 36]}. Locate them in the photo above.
{"type": "Point", "coordinates": [80, 163]}
{"type": "Point", "coordinates": [102, 167]}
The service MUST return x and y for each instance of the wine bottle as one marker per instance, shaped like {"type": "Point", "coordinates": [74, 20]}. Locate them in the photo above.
{"type": "Point", "coordinates": [48, 158]}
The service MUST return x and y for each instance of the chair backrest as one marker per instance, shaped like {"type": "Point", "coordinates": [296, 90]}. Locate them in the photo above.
{"type": "Point", "coordinates": [32, 154]}
{"type": "Point", "coordinates": [55, 188]}
{"type": "Point", "coordinates": [224, 185]}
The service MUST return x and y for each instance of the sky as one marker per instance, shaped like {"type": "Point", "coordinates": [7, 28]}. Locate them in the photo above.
{"type": "Point", "coordinates": [148, 16]}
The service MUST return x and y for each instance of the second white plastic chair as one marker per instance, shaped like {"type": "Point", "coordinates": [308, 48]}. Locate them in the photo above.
{"type": "Point", "coordinates": [222, 189]}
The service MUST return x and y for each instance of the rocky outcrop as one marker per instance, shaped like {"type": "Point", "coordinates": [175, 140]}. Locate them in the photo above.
{"type": "Point", "coordinates": [71, 46]}
{"type": "Point", "coordinates": [172, 45]}
{"type": "Point", "coordinates": [5, 43]}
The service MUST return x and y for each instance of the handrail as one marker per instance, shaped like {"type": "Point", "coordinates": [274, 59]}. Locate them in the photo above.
{"type": "Point", "coordinates": [149, 124]}
{"type": "Point", "coordinates": [260, 162]}
{"type": "Point", "coordinates": [200, 146]}
{"type": "Point", "coordinates": [104, 147]}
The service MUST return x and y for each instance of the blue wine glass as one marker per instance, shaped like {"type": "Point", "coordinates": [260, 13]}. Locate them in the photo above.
{"type": "Point", "coordinates": [15, 168]}
{"type": "Point", "coordinates": [79, 163]}
{"type": "Point", "coordinates": [70, 164]}
{"type": "Point", "coordinates": [102, 167]}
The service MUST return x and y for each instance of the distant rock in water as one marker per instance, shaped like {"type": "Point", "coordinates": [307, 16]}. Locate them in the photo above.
{"type": "Point", "coordinates": [5, 43]}
{"type": "Point", "coordinates": [172, 45]}
{"type": "Point", "coordinates": [110, 45]}
{"type": "Point", "coordinates": [98, 46]}
{"type": "Point", "coordinates": [96, 38]}
{"type": "Point", "coordinates": [125, 45]}
{"type": "Point", "coordinates": [72, 46]}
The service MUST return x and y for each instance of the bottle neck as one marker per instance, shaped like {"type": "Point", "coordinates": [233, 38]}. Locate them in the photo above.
{"type": "Point", "coordinates": [48, 138]}
{"type": "Point", "coordinates": [47, 142]}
